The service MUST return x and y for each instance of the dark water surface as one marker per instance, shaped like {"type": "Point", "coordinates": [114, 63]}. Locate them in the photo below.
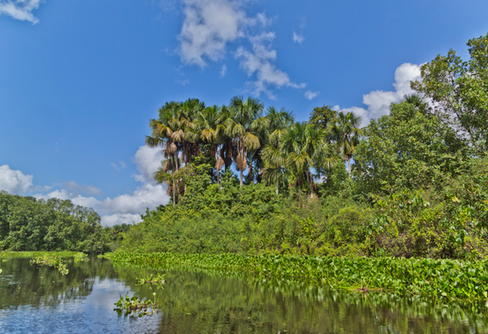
{"type": "Point", "coordinates": [38, 299]}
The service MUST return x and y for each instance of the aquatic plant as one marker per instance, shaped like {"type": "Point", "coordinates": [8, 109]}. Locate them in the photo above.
{"type": "Point", "coordinates": [52, 260]}
{"type": "Point", "coordinates": [447, 280]}
{"type": "Point", "coordinates": [154, 279]}
{"type": "Point", "coordinates": [135, 306]}
{"type": "Point", "coordinates": [62, 254]}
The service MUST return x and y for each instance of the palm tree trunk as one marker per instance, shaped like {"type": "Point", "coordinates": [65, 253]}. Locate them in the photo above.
{"type": "Point", "coordinates": [311, 185]}
{"type": "Point", "coordinates": [241, 176]}
{"type": "Point", "coordinates": [218, 171]}
{"type": "Point", "coordinates": [349, 166]}
{"type": "Point", "coordinates": [277, 188]}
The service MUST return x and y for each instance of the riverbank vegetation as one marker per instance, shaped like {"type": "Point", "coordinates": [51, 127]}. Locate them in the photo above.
{"type": "Point", "coordinates": [28, 224]}
{"type": "Point", "coordinates": [413, 183]}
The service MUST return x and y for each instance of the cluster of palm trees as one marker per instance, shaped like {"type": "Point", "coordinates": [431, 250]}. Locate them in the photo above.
{"type": "Point", "coordinates": [268, 145]}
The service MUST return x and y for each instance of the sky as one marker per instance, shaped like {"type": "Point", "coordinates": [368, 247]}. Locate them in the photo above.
{"type": "Point", "coordinates": [80, 79]}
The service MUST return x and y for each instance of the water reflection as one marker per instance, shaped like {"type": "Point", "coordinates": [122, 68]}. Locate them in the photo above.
{"type": "Point", "coordinates": [37, 299]}
{"type": "Point", "coordinates": [40, 300]}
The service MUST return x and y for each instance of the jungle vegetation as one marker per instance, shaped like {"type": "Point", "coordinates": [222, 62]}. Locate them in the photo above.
{"type": "Point", "coordinates": [28, 224]}
{"type": "Point", "coordinates": [249, 180]}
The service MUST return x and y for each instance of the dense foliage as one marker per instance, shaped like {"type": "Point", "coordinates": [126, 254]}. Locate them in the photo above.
{"type": "Point", "coordinates": [28, 224]}
{"type": "Point", "coordinates": [413, 183]}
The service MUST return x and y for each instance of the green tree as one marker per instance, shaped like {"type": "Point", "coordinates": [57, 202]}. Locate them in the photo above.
{"type": "Point", "coordinates": [323, 118]}
{"type": "Point", "coordinates": [459, 91]}
{"type": "Point", "coordinates": [347, 133]}
{"type": "Point", "coordinates": [244, 124]}
{"type": "Point", "coordinates": [405, 149]}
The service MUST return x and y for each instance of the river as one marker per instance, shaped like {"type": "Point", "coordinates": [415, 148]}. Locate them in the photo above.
{"type": "Point", "coordinates": [39, 299]}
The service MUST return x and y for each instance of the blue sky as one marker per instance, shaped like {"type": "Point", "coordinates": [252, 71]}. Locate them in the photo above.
{"type": "Point", "coordinates": [80, 79]}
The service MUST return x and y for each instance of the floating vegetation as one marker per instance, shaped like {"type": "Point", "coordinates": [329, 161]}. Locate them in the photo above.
{"type": "Point", "coordinates": [135, 307]}
{"type": "Point", "coordinates": [52, 260]}
{"type": "Point", "coordinates": [81, 257]}
{"type": "Point", "coordinates": [156, 279]}
{"type": "Point", "coordinates": [62, 254]}
{"type": "Point", "coordinates": [443, 280]}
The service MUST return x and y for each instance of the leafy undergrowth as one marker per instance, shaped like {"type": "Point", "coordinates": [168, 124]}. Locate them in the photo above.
{"type": "Point", "coordinates": [447, 280]}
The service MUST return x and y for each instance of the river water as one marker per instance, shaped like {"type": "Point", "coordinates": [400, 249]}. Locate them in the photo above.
{"type": "Point", "coordinates": [39, 299]}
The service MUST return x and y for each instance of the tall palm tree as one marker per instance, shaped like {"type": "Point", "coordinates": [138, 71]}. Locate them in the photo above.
{"type": "Point", "coordinates": [347, 132]}
{"type": "Point", "coordinates": [211, 130]}
{"type": "Point", "coordinates": [242, 125]}
{"type": "Point", "coordinates": [190, 136]}
{"type": "Point", "coordinates": [166, 132]}
{"type": "Point", "coordinates": [271, 157]}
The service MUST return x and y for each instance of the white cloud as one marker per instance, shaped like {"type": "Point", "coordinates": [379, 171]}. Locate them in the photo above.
{"type": "Point", "coordinates": [297, 38]}
{"type": "Point", "coordinates": [120, 218]}
{"type": "Point", "coordinates": [148, 160]}
{"type": "Point", "coordinates": [20, 9]}
{"type": "Point", "coordinates": [208, 26]}
{"type": "Point", "coordinates": [378, 102]}
{"type": "Point", "coordinates": [14, 181]}
{"type": "Point", "coordinates": [223, 71]}
{"type": "Point", "coordinates": [310, 95]}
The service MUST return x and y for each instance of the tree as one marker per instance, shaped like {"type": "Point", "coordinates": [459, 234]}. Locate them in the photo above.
{"type": "Point", "coordinates": [303, 147]}
{"type": "Point", "coordinates": [323, 118]}
{"type": "Point", "coordinates": [347, 133]}
{"type": "Point", "coordinates": [406, 149]}
{"type": "Point", "coordinates": [459, 91]}
{"type": "Point", "coordinates": [211, 130]}
{"type": "Point", "coordinates": [243, 124]}
{"type": "Point", "coordinates": [272, 158]}
{"type": "Point", "coordinates": [167, 132]}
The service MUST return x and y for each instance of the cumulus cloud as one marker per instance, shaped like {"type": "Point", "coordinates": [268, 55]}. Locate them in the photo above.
{"type": "Point", "coordinates": [310, 95]}
{"type": "Point", "coordinates": [148, 160]}
{"type": "Point", "coordinates": [297, 38]}
{"type": "Point", "coordinates": [120, 218]}
{"type": "Point", "coordinates": [125, 208]}
{"type": "Point", "coordinates": [210, 25]}
{"type": "Point", "coordinates": [14, 181]}
{"type": "Point", "coordinates": [20, 9]}
{"type": "Point", "coordinates": [378, 102]}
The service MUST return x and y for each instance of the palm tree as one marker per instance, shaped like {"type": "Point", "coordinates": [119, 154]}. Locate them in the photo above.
{"type": "Point", "coordinates": [243, 124]}
{"type": "Point", "coordinates": [303, 147]}
{"type": "Point", "coordinates": [271, 156]}
{"type": "Point", "coordinates": [190, 135]}
{"type": "Point", "coordinates": [347, 132]}
{"type": "Point", "coordinates": [211, 130]}
{"type": "Point", "coordinates": [165, 132]}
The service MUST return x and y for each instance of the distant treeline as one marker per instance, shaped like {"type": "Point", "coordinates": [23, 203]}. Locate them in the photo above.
{"type": "Point", "coordinates": [28, 224]}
